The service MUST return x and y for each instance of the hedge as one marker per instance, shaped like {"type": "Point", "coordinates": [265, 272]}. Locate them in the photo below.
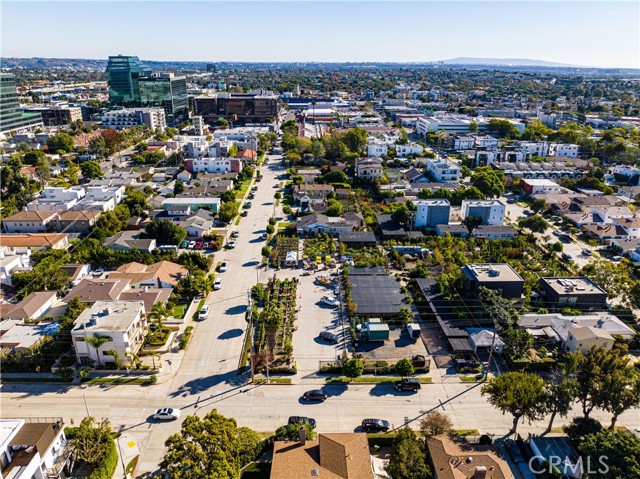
{"type": "Point", "coordinates": [107, 466]}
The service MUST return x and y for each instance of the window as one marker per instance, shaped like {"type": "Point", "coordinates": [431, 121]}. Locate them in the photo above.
{"type": "Point", "coordinates": [80, 339]}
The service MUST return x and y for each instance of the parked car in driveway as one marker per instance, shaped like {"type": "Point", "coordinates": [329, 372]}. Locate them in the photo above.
{"type": "Point", "coordinates": [192, 244]}
{"type": "Point", "coordinates": [218, 284]}
{"type": "Point", "coordinates": [407, 384]}
{"type": "Point", "coordinates": [302, 420]}
{"type": "Point", "coordinates": [330, 301]}
{"type": "Point", "coordinates": [329, 336]}
{"type": "Point", "coordinates": [166, 414]}
{"type": "Point", "coordinates": [315, 395]}
{"type": "Point", "coordinates": [375, 425]}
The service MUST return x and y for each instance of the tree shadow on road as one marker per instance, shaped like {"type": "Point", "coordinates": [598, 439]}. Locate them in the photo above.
{"type": "Point", "coordinates": [232, 333]}
{"type": "Point", "coordinates": [240, 309]}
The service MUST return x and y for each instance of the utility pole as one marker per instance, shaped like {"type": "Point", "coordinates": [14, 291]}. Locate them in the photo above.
{"type": "Point", "coordinates": [493, 342]}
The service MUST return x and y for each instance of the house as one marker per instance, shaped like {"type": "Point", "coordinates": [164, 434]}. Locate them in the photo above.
{"type": "Point", "coordinates": [492, 232]}
{"type": "Point", "coordinates": [455, 230]}
{"type": "Point", "coordinates": [34, 448]}
{"type": "Point", "coordinates": [463, 142]}
{"type": "Point", "coordinates": [198, 225]}
{"type": "Point", "coordinates": [53, 198]}
{"type": "Point", "coordinates": [376, 147]}
{"type": "Point", "coordinates": [34, 241]}
{"type": "Point", "coordinates": [330, 456]}
{"type": "Point", "coordinates": [577, 292]}
{"type": "Point", "coordinates": [414, 175]}
{"type": "Point", "coordinates": [149, 296]}
{"type": "Point", "coordinates": [500, 277]}
{"type": "Point", "coordinates": [454, 460]}
{"type": "Point", "coordinates": [34, 306]}
{"type": "Point", "coordinates": [485, 339]}
{"type": "Point", "coordinates": [431, 212]}
{"type": "Point", "coordinates": [443, 170]}
{"type": "Point", "coordinates": [491, 212]}
{"type": "Point", "coordinates": [122, 323]}
{"type": "Point", "coordinates": [583, 338]}
{"type": "Point", "coordinates": [129, 241]}
{"type": "Point", "coordinates": [10, 263]}
{"type": "Point", "coordinates": [311, 194]}
{"type": "Point", "coordinates": [369, 168]}
{"type": "Point", "coordinates": [212, 204]}
{"type": "Point", "coordinates": [213, 165]}
{"type": "Point", "coordinates": [78, 221]}
{"type": "Point", "coordinates": [101, 198]}
{"type": "Point", "coordinates": [18, 337]}
{"type": "Point", "coordinates": [315, 223]}
{"type": "Point", "coordinates": [30, 222]}
{"type": "Point", "coordinates": [184, 176]}
{"type": "Point", "coordinates": [163, 274]}
{"type": "Point", "coordinates": [541, 187]}
{"type": "Point", "coordinates": [76, 272]}
{"type": "Point", "coordinates": [92, 290]}
{"type": "Point", "coordinates": [357, 238]}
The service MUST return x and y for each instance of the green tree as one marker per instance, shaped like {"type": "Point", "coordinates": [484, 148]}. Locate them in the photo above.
{"type": "Point", "coordinates": [91, 169]}
{"type": "Point", "coordinates": [612, 277]}
{"type": "Point", "coordinates": [165, 232]}
{"type": "Point", "coordinates": [228, 211]}
{"type": "Point", "coordinates": [517, 341]}
{"type": "Point", "coordinates": [291, 432]}
{"type": "Point", "coordinates": [97, 342]}
{"type": "Point", "coordinates": [178, 187]}
{"type": "Point", "coordinates": [503, 128]}
{"type": "Point", "coordinates": [317, 150]}
{"type": "Point", "coordinates": [520, 394]}
{"type": "Point", "coordinates": [60, 142]}
{"type": "Point", "coordinates": [334, 208]}
{"type": "Point", "coordinates": [435, 423]}
{"type": "Point", "coordinates": [228, 196]}
{"type": "Point", "coordinates": [621, 450]}
{"type": "Point", "coordinates": [407, 459]}
{"type": "Point", "coordinates": [91, 440]}
{"type": "Point", "coordinates": [472, 222]}
{"type": "Point", "coordinates": [336, 176]}
{"type": "Point", "coordinates": [356, 139]}
{"type": "Point", "coordinates": [43, 174]}
{"type": "Point", "coordinates": [402, 215]}
{"type": "Point", "coordinates": [353, 368]}
{"type": "Point", "coordinates": [561, 391]}
{"type": "Point", "coordinates": [538, 205]}
{"type": "Point", "coordinates": [534, 223]}
{"type": "Point", "coordinates": [404, 367]}
{"type": "Point", "coordinates": [136, 201]}
{"type": "Point", "coordinates": [98, 147]}
{"type": "Point", "coordinates": [488, 181]}
{"type": "Point", "coordinates": [557, 247]}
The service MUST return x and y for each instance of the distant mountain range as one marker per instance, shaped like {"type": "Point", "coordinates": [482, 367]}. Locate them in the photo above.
{"type": "Point", "coordinates": [524, 62]}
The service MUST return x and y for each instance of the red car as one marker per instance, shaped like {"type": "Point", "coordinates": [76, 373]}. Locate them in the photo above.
{"type": "Point", "coordinates": [199, 245]}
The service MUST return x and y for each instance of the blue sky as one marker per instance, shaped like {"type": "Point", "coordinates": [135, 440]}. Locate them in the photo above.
{"type": "Point", "coordinates": [575, 32]}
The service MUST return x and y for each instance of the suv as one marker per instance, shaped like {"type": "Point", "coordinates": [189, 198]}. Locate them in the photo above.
{"type": "Point", "coordinates": [203, 313]}
{"type": "Point", "coordinates": [375, 425]}
{"type": "Point", "coordinates": [302, 420]}
{"type": "Point", "coordinates": [328, 336]}
{"type": "Point", "coordinates": [407, 384]}
{"type": "Point", "coordinates": [314, 395]}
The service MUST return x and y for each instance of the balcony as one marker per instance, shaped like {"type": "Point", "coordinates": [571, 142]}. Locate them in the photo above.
{"type": "Point", "coordinates": [62, 460]}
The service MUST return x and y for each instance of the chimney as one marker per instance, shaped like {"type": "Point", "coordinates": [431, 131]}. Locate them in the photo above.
{"type": "Point", "coordinates": [303, 436]}
{"type": "Point", "coordinates": [480, 472]}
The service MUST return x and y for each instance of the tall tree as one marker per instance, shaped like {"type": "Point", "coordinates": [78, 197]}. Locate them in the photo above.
{"type": "Point", "coordinates": [488, 181]}
{"type": "Point", "coordinates": [408, 459]}
{"type": "Point", "coordinates": [615, 454]}
{"type": "Point", "coordinates": [520, 394]}
{"type": "Point", "coordinates": [561, 390]}
{"type": "Point", "coordinates": [91, 169]}
{"type": "Point", "coordinates": [165, 232]}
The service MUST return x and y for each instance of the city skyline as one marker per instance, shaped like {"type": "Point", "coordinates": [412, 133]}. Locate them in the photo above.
{"type": "Point", "coordinates": [591, 34]}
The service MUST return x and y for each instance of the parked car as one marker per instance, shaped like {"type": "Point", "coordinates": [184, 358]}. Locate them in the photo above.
{"type": "Point", "coordinates": [315, 395]}
{"type": "Point", "coordinates": [235, 234]}
{"type": "Point", "coordinates": [407, 384]}
{"type": "Point", "coordinates": [97, 272]}
{"type": "Point", "coordinates": [587, 252]}
{"type": "Point", "coordinates": [218, 284]}
{"type": "Point", "coordinates": [302, 420]}
{"type": "Point", "coordinates": [185, 244]}
{"type": "Point", "coordinates": [203, 313]}
{"type": "Point", "coordinates": [616, 258]}
{"type": "Point", "coordinates": [192, 244]}
{"type": "Point", "coordinates": [247, 204]}
{"type": "Point", "coordinates": [166, 414]}
{"type": "Point", "coordinates": [567, 257]}
{"type": "Point", "coordinates": [198, 245]}
{"type": "Point", "coordinates": [330, 301]}
{"type": "Point", "coordinates": [223, 266]}
{"type": "Point", "coordinates": [244, 213]}
{"type": "Point", "coordinates": [328, 336]}
{"type": "Point", "coordinates": [265, 236]}
{"type": "Point", "coordinates": [231, 244]}
{"type": "Point", "coordinates": [375, 425]}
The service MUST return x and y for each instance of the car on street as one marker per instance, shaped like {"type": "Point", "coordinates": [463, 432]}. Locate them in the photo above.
{"type": "Point", "coordinates": [330, 301]}
{"type": "Point", "coordinates": [407, 384]}
{"type": "Point", "coordinates": [247, 205]}
{"type": "Point", "coordinates": [587, 252]}
{"type": "Point", "coordinates": [235, 234]}
{"type": "Point", "coordinates": [223, 266]}
{"type": "Point", "coordinates": [567, 257]}
{"type": "Point", "coordinates": [265, 236]}
{"type": "Point", "coordinates": [329, 336]}
{"type": "Point", "coordinates": [217, 284]}
{"type": "Point", "coordinates": [244, 213]}
{"type": "Point", "coordinates": [203, 313]}
{"type": "Point", "coordinates": [231, 244]}
{"type": "Point", "coordinates": [302, 420]}
{"type": "Point", "coordinates": [314, 395]}
{"type": "Point", "coordinates": [166, 414]}
{"type": "Point", "coordinates": [375, 425]}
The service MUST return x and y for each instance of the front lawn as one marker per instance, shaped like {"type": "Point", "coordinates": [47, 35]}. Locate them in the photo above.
{"type": "Point", "coordinates": [158, 337]}
{"type": "Point", "coordinates": [179, 310]}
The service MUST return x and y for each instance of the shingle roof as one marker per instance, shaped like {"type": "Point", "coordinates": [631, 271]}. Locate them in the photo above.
{"type": "Point", "coordinates": [29, 305]}
{"type": "Point", "coordinates": [92, 290]}
{"type": "Point", "coordinates": [31, 216]}
{"type": "Point", "coordinates": [165, 271]}
{"type": "Point", "coordinates": [32, 240]}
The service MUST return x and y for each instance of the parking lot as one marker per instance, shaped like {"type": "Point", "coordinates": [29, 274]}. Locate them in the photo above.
{"type": "Point", "coordinates": [399, 346]}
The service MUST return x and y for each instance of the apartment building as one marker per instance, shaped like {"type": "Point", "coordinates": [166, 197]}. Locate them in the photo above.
{"type": "Point", "coordinates": [54, 198]}
{"type": "Point", "coordinates": [369, 168]}
{"type": "Point", "coordinates": [444, 170]}
{"type": "Point", "coordinates": [30, 222]}
{"type": "Point", "coordinates": [153, 118]}
{"type": "Point", "coordinates": [213, 165]}
{"type": "Point", "coordinates": [432, 212]}
{"type": "Point", "coordinates": [490, 211]}
{"type": "Point", "coordinates": [122, 323]}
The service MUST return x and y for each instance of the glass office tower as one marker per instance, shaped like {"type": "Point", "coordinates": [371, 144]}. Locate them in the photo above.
{"type": "Point", "coordinates": [12, 119]}
{"type": "Point", "coordinates": [167, 91]}
{"type": "Point", "coordinates": [122, 74]}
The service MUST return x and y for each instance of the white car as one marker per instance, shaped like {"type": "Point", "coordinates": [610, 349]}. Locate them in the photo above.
{"type": "Point", "coordinates": [223, 267]}
{"type": "Point", "coordinates": [218, 284]}
{"type": "Point", "coordinates": [203, 313]}
{"type": "Point", "coordinates": [330, 301]}
{"type": "Point", "coordinates": [167, 414]}
{"type": "Point", "coordinates": [231, 244]}
{"type": "Point", "coordinates": [192, 244]}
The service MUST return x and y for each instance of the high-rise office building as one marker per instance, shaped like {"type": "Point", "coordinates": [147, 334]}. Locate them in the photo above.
{"type": "Point", "coordinates": [122, 74]}
{"type": "Point", "coordinates": [12, 119]}
{"type": "Point", "coordinates": [167, 91]}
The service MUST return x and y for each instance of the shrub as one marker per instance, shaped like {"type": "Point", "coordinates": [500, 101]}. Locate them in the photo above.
{"type": "Point", "coordinates": [404, 367]}
{"type": "Point", "coordinates": [485, 440]}
{"type": "Point", "coordinates": [270, 229]}
{"type": "Point", "coordinates": [107, 466]}
{"type": "Point", "coordinates": [582, 426]}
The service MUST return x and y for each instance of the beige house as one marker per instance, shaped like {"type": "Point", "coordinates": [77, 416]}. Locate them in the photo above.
{"type": "Point", "coordinates": [369, 168]}
{"type": "Point", "coordinates": [583, 338]}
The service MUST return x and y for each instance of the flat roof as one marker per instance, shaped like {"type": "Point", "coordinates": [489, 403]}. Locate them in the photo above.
{"type": "Point", "coordinates": [573, 285]}
{"type": "Point", "coordinates": [491, 272]}
{"type": "Point", "coordinates": [108, 316]}
{"type": "Point", "coordinates": [538, 182]}
{"type": "Point", "coordinates": [376, 294]}
{"type": "Point", "coordinates": [432, 202]}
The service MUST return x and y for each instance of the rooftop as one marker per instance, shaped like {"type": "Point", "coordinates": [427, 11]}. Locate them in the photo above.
{"type": "Point", "coordinates": [31, 304]}
{"type": "Point", "coordinates": [491, 272]}
{"type": "Point", "coordinates": [32, 240]}
{"type": "Point", "coordinates": [108, 316]}
{"type": "Point", "coordinates": [432, 202]}
{"type": "Point", "coordinates": [573, 285]}
{"type": "Point", "coordinates": [92, 290]}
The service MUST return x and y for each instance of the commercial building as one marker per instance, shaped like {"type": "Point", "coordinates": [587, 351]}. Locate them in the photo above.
{"type": "Point", "coordinates": [122, 323]}
{"type": "Point", "coordinates": [432, 212]}
{"type": "Point", "coordinates": [57, 114]}
{"type": "Point", "coordinates": [167, 91]}
{"type": "Point", "coordinates": [444, 170]}
{"type": "Point", "coordinates": [123, 74]}
{"type": "Point", "coordinates": [497, 276]}
{"type": "Point", "coordinates": [491, 212]}
{"type": "Point", "coordinates": [153, 118]}
{"type": "Point", "coordinates": [573, 292]}
{"type": "Point", "coordinates": [12, 119]}
{"type": "Point", "coordinates": [251, 107]}
{"type": "Point", "coordinates": [533, 186]}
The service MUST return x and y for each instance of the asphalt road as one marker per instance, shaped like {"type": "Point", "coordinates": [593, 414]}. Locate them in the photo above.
{"type": "Point", "coordinates": [205, 378]}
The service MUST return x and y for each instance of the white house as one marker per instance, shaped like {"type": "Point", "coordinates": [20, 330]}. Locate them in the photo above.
{"type": "Point", "coordinates": [490, 211]}
{"type": "Point", "coordinates": [564, 149]}
{"type": "Point", "coordinates": [444, 170]}
{"type": "Point", "coordinates": [538, 148]}
{"type": "Point", "coordinates": [583, 338]}
{"type": "Point", "coordinates": [431, 212]}
{"type": "Point", "coordinates": [463, 143]}
{"type": "Point", "coordinates": [403, 151]}
{"type": "Point", "coordinates": [9, 263]}
{"type": "Point", "coordinates": [541, 187]}
{"type": "Point", "coordinates": [101, 198]}
{"type": "Point", "coordinates": [53, 198]}
{"type": "Point", "coordinates": [376, 148]}
{"type": "Point", "coordinates": [122, 323]}
{"type": "Point", "coordinates": [487, 142]}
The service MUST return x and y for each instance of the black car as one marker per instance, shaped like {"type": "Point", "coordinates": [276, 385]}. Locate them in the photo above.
{"type": "Point", "coordinates": [245, 213]}
{"type": "Point", "coordinates": [375, 425]}
{"type": "Point", "coordinates": [407, 384]}
{"type": "Point", "coordinates": [328, 336]}
{"type": "Point", "coordinates": [314, 395]}
{"type": "Point", "coordinates": [302, 420]}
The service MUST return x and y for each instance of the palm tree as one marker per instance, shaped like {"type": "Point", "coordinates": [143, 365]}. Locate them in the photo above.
{"type": "Point", "coordinates": [97, 341]}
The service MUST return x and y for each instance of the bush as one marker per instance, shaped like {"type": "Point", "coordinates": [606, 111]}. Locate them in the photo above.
{"type": "Point", "coordinates": [270, 229]}
{"type": "Point", "coordinates": [582, 426]}
{"type": "Point", "coordinates": [152, 379]}
{"type": "Point", "coordinates": [107, 466]}
{"type": "Point", "coordinates": [184, 341]}
{"type": "Point", "coordinates": [485, 440]}
{"type": "Point", "coordinates": [286, 209]}
{"type": "Point", "coordinates": [404, 367]}
{"type": "Point", "coordinates": [353, 368]}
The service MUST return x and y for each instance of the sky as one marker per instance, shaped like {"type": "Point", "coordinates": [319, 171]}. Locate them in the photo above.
{"type": "Point", "coordinates": [586, 33]}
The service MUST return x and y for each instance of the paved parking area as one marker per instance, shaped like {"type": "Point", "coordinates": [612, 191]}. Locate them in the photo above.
{"type": "Point", "coordinates": [399, 346]}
